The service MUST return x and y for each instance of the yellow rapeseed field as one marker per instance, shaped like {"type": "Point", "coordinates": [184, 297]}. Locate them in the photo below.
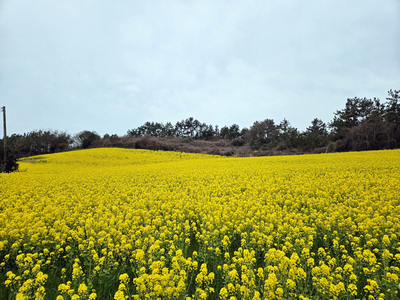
{"type": "Point", "coordinates": [136, 224]}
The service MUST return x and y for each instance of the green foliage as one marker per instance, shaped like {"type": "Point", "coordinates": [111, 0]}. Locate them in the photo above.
{"type": "Point", "coordinates": [10, 165]}
{"type": "Point", "coordinates": [188, 128]}
{"type": "Point", "coordinates": [230, 133]}
{"type": "Point", "coordinates": [355, 112]}
{"type": "Point", "coordinates": [315, 135]}
{"type": "Point", "coordinates": [84, 139]}
{"type": "Point", "coordinates": [262, 133]}
{"type": "Point", "coordinates": [392, 116]}
{"type": "Point", "coordinates": [267, 134]}
{"type": "Point", "coordinates": [38, 142]}
{"type": "Point", "coordinates": [366, 124]}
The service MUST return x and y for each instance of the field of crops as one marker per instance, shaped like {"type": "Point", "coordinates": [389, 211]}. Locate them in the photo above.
{"type": "Point", "coordinates": [135, 224]}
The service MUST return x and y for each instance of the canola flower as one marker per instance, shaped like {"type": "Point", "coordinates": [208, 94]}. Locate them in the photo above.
{"type": "Point", "coordinates": [137, 224]}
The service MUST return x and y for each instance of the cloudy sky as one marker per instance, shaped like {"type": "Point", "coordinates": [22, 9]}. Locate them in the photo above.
{"type": "Point", "coordinates": [110, 66]}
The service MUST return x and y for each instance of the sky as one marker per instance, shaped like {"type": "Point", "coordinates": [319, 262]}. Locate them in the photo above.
{"type": "Point", "coordinates": [111, 66]}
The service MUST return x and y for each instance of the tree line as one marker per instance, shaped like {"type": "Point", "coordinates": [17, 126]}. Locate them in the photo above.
{"type": "Point", "coordinates": [189, 128]}
{"type": "Point", "coordinates": [363, 124]}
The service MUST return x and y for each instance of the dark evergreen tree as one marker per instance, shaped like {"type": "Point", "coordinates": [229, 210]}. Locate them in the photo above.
{"type": "Point", "coordinates": [85, 138]}
{"type": "Point", "coordinates": [315, 135]}
{"type": "Point", "coordinates": [392, 116]}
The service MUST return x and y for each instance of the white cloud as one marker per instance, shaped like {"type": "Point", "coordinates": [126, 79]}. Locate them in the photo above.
{"type": "Point", "coordinates": [221, 62]}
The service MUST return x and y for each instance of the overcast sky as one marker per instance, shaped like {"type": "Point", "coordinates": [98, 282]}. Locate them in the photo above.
{"type": "Point", "coordinates": [110, 66]}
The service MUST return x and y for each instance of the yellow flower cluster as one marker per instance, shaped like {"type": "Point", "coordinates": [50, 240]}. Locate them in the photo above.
{"type": "Point", "coordinates": [136, 224]}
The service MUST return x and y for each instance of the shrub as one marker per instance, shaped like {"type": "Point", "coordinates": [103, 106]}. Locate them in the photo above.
{"type": "Point", "coordinates": [10, 165]}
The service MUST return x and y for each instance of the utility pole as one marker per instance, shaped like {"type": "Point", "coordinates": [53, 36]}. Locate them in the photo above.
{"type": "Point", "coordinates": [5, 134]}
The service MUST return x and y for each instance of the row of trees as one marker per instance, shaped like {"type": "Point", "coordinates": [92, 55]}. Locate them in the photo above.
{"type": "Point", "coordinates": [363, 124]}
{"type": "Point", "coordinates": [366, 124]}
{"type": "Point", "coordinates": [189, 128]}
{"type": "Point", "coordinates": [261, 133]}
{"type": "Point", "coordinates": [43, 142]}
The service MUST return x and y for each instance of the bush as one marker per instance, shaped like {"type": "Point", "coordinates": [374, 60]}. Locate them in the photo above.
{"type": "Point", "coordinates": [10, 165]}
{"type": "Point", "coordinates": [85, 138]}
{"type": "Point", "coordinates": [149, 143]}
{"type": "Point", "coordinates": [237, 142]}
{"type": "Point", "coordinates": [330, 148]}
